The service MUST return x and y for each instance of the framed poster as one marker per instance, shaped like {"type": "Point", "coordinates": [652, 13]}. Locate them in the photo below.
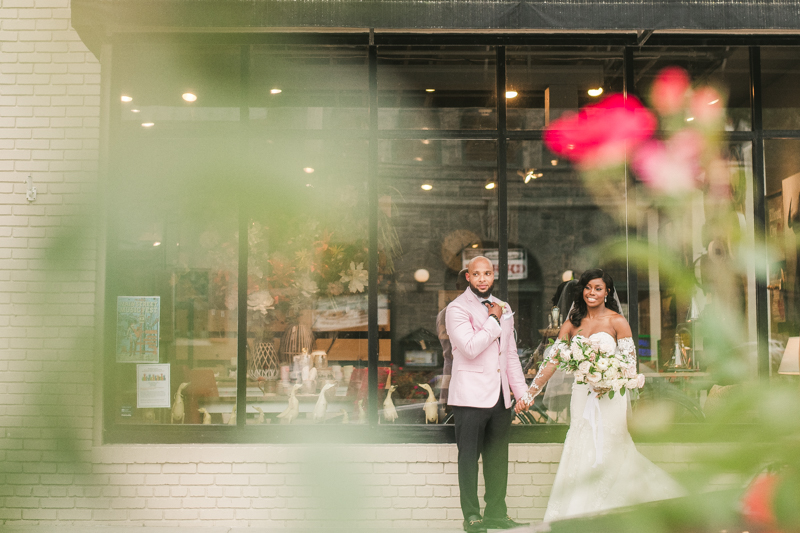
{"type": "Point", "coordinates": [152, 386]}
{"type": "Point", "coordinates": [138, 319]}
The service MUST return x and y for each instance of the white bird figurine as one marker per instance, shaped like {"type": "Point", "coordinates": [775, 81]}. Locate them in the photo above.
{"type": "Point", "coordinates": [206, 415]}
{"type": "Point", "coordinates": [178, 410]}
{"type": "Point", "coordinates": [345, 417]}
{"type": "Point", "coordinates": [291, 412]}
{"type": "Point", "coordinates": [389, 412]}
{"type": "Point", "coordinates": [431, 406]}
{"type": "Point", "coordinates": [322, 404]}
{"type": "Point", "coordinates": [260, 418]}
{"type": "Point", "coordinates": [362, 414]}
{"type": "Point", "coordinates": [232, 418]}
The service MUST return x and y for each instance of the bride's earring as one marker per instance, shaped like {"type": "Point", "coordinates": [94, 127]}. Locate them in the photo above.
{"type": "Point", "coordinates": [606, 298]}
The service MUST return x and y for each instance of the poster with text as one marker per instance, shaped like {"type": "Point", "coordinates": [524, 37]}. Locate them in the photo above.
{"type": "Point", "coordinates": [138, 318]}
{"type": "Point", "coordinates": [152, 386]}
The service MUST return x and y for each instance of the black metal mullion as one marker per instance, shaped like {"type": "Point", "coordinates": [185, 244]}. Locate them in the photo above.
{"type": "Point", "coordinates": [502, 181]}
{"type": "Point", "coordinates": [759, 216]}
{"type": "Point", "coordinates": [373, 345]}
{"type": "Point", "coordinates": [241, 345]}
{"type": "Point", "coordinates": [631, 219]}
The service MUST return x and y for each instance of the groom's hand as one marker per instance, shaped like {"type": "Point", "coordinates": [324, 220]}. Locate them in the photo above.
{"type": "Point", "coordinates": [494, 309]}
{"type": "Point", "coordinates": [520, 406]}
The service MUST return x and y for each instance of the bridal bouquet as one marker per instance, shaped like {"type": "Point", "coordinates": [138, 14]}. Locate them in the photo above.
{"type": "Point", "coordinates": [598, 363]}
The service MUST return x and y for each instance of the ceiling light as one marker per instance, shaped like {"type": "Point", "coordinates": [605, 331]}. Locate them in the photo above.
{"type": "Point", "coordinates": [309, 186]}
{"type": "Point", "coordinates": [417, 159]}
{"type": "Point", "coordinates": [148, 124]}
{"type": "Point", "coordinates": [429, 90]}
{"type": "Point", "coordinates": [426, 141]}
{"type": "Point", "coordinates": [689, 119]}
{"type": "Point", "coordinates": [511, 94]}
{"type": "Point", "coordinates": [125, 98]}
{"type": "Point", "coordinates": [157, 243]}
{"type": "Point", "coordinates": [426, 186]}
{"type": "Point", "coordinates": [595, 92]}
{"type": "Point", "coordinates": [490, 185]}
{"type": "Point", "coordinates": [134, 110]}
{"type": "Point", "coordinates": [275, 91]}
{"type": "Point", "coordinates": [475, 245]}
{"type": "Point", "coordinates": [530, 175]}
{"type": "Point", "coordinates": [308, 170]}
{"type": "Point", "coordinates": [189, 97]}
{"type": "Point", "coordinates": [712, 102]}
{"type": "Point", "coordinates": [554, 162]}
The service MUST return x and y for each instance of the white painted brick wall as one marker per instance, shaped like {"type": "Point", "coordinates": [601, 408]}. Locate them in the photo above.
{"type": "Point", "coordinates": [49, 128]}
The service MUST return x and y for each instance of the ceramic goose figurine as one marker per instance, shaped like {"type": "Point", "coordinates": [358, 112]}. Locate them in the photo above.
{"type": "Point", "coordinates": [232, 418]}
{"type": "Point", "coordinates": [178, 409]}
{"type": "Point", "coordinates": [260, 418]}
{"type": "Point", "coordinates": [431, 406]}
{"type": "Point", "coordinates": [362, 414]}
{"type": "Point", "coordinates": [389, 412]}
{"type": "Point", "coordinates": [293, 409]}
{"type": "Point", "coordinates": [322, 404]}
{"type": "Point", "coordinates": [206, 415]}
{"type": "Point", "coordinates": [345, 416]}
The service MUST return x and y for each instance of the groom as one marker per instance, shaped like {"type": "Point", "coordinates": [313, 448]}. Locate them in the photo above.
{"type": "Point", "coordinates": [485, 369]}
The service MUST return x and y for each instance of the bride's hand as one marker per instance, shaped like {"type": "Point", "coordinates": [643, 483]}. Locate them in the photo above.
{"type": "Point", "coordinates": [520, 406]}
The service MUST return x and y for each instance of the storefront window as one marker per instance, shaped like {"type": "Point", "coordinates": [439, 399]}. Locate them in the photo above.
{"type": "Point", "coordinates": [690, 348]}
{"type": "Point", "coordinates": [544, 82]}
{"type": "Point", "coordinates": [436, 216]}
{"type": "Point", "coordinates": [782, 166]}
{"type": "Point", "coordinates": [780, 73]}
{"type": "Point", "coordinates": [726, 68]}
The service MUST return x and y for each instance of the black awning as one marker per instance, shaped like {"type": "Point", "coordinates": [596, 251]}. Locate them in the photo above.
{"type": "Point", "coordinates": [96, 18]}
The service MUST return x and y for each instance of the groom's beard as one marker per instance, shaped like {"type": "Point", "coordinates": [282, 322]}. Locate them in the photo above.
{"type": "Point", "coordinates": [482, 295]}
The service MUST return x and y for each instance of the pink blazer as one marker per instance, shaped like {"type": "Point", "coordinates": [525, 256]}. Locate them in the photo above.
{"type": "Point", "coordinates": [481, 365]}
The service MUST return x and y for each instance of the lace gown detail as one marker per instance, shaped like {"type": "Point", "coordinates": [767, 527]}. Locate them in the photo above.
{"type": "Point", "coordinates": [625, 477]}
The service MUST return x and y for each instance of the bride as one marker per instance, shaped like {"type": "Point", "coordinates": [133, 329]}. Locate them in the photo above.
{"type": "Point", "coordinates": [600, 467]}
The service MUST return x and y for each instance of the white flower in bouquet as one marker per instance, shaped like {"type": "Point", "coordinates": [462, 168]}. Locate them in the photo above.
{"type": "Point", "coordinates": [632, 384]}
{"type": "Point", "coordinates": [577, 351]}
{"type": "Point", "coordinates": [606, 344]}
{"type": "Point", "coordinates": [594, 377]}
{"type": "Point", "coordinates": [630, 372]}
{"type": "Point", "coordinates": [580, 377]}
{"type": "Point", "coordinates": [640, 381]}
{"type": "Point", "coordinates": [602, 364]}
{"type": "Point", "coordinates": [583, 368]}
{"type": "Point", "coordinates": [617, 384]}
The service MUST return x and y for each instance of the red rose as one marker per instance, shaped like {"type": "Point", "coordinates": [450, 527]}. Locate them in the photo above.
{"type": "Point", "coordinates": [757, 502]}
{"type": "Point", "coordinates": [600, 135]}
{"type": "Point", "coordinates": [669, 90]}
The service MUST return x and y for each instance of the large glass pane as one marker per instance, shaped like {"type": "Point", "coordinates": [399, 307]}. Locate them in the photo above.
{"type": "Point", "coordinates": [780, 74]}
{"type": "Point", "coordinates": [544, 82]}
{"type": "Point", "coordinates": [680, 330]}
{"type": "Point", "coordinates": [782, 166]}
{"type": "Point", "coordinates": [307, 283]}
{"type": "Point", "coordinates": [434, 214]}
{"type": "Point", "coordinates": [727, 68]}
{"type": "Point", "coordinates": [308, 87]}
{"type": "Point", "coordinates": [167, 88]}
{"type": "Point", "coordinates": [430, 88]}
{"type": "Point", "coordinates": [558, 228]}
{"type": "Point", "coordinates": [172, 275]}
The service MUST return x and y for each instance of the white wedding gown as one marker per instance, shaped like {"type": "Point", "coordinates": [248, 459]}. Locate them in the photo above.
{"type": "Point", "coordinates": [623, 476]}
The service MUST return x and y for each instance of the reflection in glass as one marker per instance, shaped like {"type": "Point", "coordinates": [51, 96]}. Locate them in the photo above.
{"type": "Point", "coordinates": [780, 74]}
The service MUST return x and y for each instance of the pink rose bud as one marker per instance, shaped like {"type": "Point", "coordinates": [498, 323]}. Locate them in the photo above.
{"type": "Point", "coordinates": [669, 90]}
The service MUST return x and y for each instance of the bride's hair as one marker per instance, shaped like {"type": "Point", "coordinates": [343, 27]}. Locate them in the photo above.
{"type": "Point", "coordinates": [579, 308]}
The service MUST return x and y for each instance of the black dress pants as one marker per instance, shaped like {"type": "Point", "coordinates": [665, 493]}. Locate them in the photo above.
{"type": "Point", "coordinates": [483, 431]}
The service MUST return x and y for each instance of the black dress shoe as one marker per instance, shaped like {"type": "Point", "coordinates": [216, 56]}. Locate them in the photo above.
{"type": "Point", "coordinates": [501, 523]}
{"type": "Point", "coordinates": [474, 524]}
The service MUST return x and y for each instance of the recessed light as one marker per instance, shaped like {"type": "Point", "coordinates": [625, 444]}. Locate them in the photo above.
{"type": "Point", "coordinates": [134, 110]}
{"type": "Point", "coordinates": [148, 124]}
{"type": "Point", "coordinates": [309, 186]}
{"type": "Point", "coordinates": [308, 170]}
{"type": "Point", "coordinates": [689, 119]}
{"type": "Point", "coordinates": [511, 94]}
{"type": "Point", "coordinates": [125, 98]}
{"type": "Point", "coordinates": [491, 185]}
{"type": "Point", "coordinates": [189, 97]}
{"type": "Point", "coordinates": [275, 91]}
{"type": "Point", "coordinates": [554, 162]}
{"type": "Point", "coordinates": [429, 90]}
{"type": "Point", "coordinates": [426, 186]}
{"type": "Point", "coordinates": [417, 159]}
{"type": "Point", "coordinates": [157, 243]}
{"type": "Point", "coordinates": [475, 245]}
{"type": "Point", "coordinates": [426, 141]}
{"type": "Point", "coordinates": [595, 92]}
